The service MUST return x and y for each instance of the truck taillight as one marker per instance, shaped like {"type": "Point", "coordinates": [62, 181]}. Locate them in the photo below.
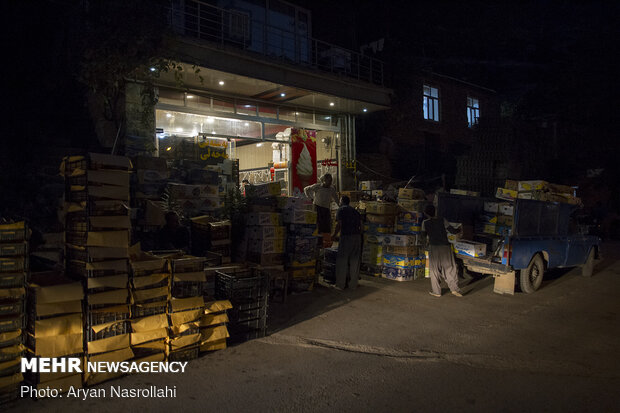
{"type": "Point", "coordinates": [507, 254]}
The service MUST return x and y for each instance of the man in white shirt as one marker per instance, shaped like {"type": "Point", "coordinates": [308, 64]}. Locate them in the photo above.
{"type": "Point", "coordinates": [322, 195]}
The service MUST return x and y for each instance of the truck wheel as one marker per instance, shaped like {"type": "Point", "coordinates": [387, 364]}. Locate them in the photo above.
{"type": "Point", "coordinates": [531, 278]}
{"type": "Point", "coordinates": [588, 268]}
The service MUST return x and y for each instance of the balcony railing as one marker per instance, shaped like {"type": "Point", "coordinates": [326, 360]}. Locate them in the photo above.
{"type": "Point", "coordinates": [195, 19]}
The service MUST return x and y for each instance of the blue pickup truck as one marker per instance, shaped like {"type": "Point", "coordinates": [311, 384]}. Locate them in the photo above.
{"type": "Point", "coordinates": [542, 236]}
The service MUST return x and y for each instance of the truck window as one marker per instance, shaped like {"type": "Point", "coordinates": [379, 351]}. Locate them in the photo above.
{"type": "Point", "coordinates": [529, 217]}
{"type": "Point", "coordinates": [549, 219]}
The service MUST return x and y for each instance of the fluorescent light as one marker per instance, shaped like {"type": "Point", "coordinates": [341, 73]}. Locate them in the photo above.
{"type": "Point", "coordinates": [247, 106]}
{"type": "Point", "coordinates": [221, 82]}
{"type": "Point", "coordinates": [246, 124]}
{"type": "Point", "coordinates": [327, 117]}
{"type": "Point", "coordinates": [331, 103]}
{"type": "Point", "coordinates": [210, 120]}
{"type": "Point", "coordinates": [178, 130]}
{"type": "Point", "coordinates": [213, 132]}
{"type": "Point", "coordinates": [190, 96]}
{"type": "Point", "coordinates": [168, 115]}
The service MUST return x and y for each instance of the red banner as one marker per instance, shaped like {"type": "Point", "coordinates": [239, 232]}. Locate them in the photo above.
{"type": "Point", "coordinates": [303, 159]}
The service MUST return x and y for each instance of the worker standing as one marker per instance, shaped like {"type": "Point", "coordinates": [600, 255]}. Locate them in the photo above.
{"type": "Point", "coordinates": [349, 222]}
{"type": "Point", "coordinates": [441, 258]}
{"type": "Point", "coordinates": [322, 195]}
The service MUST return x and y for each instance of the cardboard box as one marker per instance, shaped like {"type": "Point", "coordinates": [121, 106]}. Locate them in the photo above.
{"type": "Point", "coordinates": [410, 251]}
{"type": "Point", "coordinates": [401, 261]}
{"type": "Point", "coordinates": [264, 190]}
{"type": "Point", "coordinates": [400, 240]}
{"type": "Point", "coordinates": [411, 194]}
{"type": "Point", "coordinates": [369, 185]}
{"type": "Point", "coordinates": [378, 228]}
{"type": "Point", "coordinates": [299, 216]}
{"type": "Point", "coordinates": [488, 229]}
{"type": "Point", "coordinates": [377, 192]}
{"type": "Point", "coordinates": [492, 207]}
{"type": "Point", "coordinates": [263, 218]}
{"type": "Point", "coordinates": [506, 208]}
{"type": "Point", "coordinates": [507, 194]}
{"type": "Point", "coordinates": [381, 208]}
{"type": "Point", "coordinates": [192, 191]}
{"type": "Point", "coordinates": [412, 205]}
{"type": "Point", "coordinates": [267, 246]}
{"type": "Point", "coordinates": [536, 185]}
{"type": "Point", "coordinates": [266, 232]}
{"type": "Point", "coordinates": [381, 219]}
{"type": "Point", "coordinates": [411, 216]}
{"type": "Point", "coordinates": [373, 238]}
{"type": "Point", "coordinates": [470, 248]}
{"type": "Point", "coordinates": [561, 189]}
{"type": "Point", "coordinates": [488, 218]}
{"type": "Point", "coordinates": [109, 177]}
{"type": "Point", "coordinates": [505, 220]}
{"type": "Point", "coordinates": [354, 196]}
{"type": "Point", "coordinates": [464, 192]}
{"type": "Point", "coordinates": [511, 185]}
{"type": "Point", "coordinates": [407, 228]}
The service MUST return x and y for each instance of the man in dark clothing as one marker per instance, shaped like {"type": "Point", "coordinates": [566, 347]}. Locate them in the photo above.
{"type": "Point", "coordinates": [440, 256]}
{"type": "Point", "coordinates": [173, 236]}
{"type": "Point", "coordinates": [349, 223]}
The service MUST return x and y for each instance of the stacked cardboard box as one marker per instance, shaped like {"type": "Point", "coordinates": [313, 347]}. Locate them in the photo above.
{"type": "Point", "coordinates": [13, 274]}
{"type": "Point", "coordinates": [211, 236]}
{"type": "Point", "coordinates": [329, 264]}
{"type": "Point", "coordinates": [247, 289]}
{"type": "Point", "coordinates": [264, 250]}
{"type": "Point", "coordinates": [496, 219]}
{"type": "Point", "coordinates": [97, 227]}
{"type": "Point", "coordinates": [213, 330]}
{"type": "Point", "coordinates": [403, 259]}
{"type": "Point", "coordinates": [301, 244]}
{"type": "Point", "coordinates": [150, 294]}
{"type": "Point", "coordinates": [148, 186]}
{"type": "Point", "coordinates": [538, 190]}
{"type": "Point", "coordinates": [195, 199]}
{"type": "Point", "coordinates": [380, 220]}
{"type": "Point", "coordinates": [55, 326]}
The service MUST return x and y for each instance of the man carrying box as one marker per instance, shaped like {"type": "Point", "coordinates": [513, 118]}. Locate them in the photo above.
{"type": "Point", "coordinates": [441, 258]}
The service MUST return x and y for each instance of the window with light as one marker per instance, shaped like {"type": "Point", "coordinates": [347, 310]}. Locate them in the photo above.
{"type": "Point", "coordinates": [431, 103]}
{"type": "Point", "coordinates": [473, 111]}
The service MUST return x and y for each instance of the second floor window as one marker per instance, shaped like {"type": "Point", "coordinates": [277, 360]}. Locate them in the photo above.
{"type": "Point", "coordinates": [473, 111]}
{"type": "Point", "coordinates": [431, 103]}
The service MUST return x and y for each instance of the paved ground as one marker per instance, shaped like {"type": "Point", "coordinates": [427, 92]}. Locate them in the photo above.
{"type": "Point", "coordinates": [392, 347]}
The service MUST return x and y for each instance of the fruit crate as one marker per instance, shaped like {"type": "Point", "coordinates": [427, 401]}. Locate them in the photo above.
{"type": "Point", "coordinates": [189, 264]}
{"type": "Point", "coordinates": [147, 309]}
{"type": "Point", "coordinates": [13, 264]}
{"type": "Point", "coordinates": [11, 323]}
{"type": "Point", "coordinates": [237, 316]}
{"type": "Point", "coordinates": [15, 307]}
{"type": "Point", "coordinates": [12, 280]}
{"type": "Point", "coordinates": [13, 341]}
{"type": "Point", "coordinates": [13, 232]}
{"type": "Point", "coordinates": [14, 249]}
{"type": "Point", "coordinates": [115, 329]}
{"type": "Point", "coordinates": [184, 354]}
{"type": "Point", "coordinates": [106, 314]}
{"type": "Point", "coordinates": [79, 268]}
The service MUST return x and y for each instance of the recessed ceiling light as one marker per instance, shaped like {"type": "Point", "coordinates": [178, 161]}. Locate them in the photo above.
{"type": "Point", "coordinates": [258, 145]}
{"type": "Point", "coordinates": [364, 110]}
{"type": "Point", "coordinates": [168, 115]}
{"type": "Point", "coordinates": [331, 103]}
{"type": "Point", "coordinates": [152, 69]}
{"type": "Point", "coordinates": [213, 132]}
{"type": "Point", "coordinates": [221, 82]}
{"type": "Point", "coordinates": [190, 96]}
{"type": "Point", "coordinates": [247, 106]}
{"type": "Point", "coordinates": [210, 120]}
{"type": "Point", "coordinates": [179, 129]}
{"type": "Point", "coordinates": [327, 117]}
{"type": "Point", "coordinates": [168, 148]}
{"type": "Point", "coordinates": [282, 94]}
{"type": "Point", "coordinates": [246, 124]}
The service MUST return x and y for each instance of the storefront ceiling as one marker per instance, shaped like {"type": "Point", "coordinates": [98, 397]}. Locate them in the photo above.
{"type": "Point", "coordinates": [237, 86]}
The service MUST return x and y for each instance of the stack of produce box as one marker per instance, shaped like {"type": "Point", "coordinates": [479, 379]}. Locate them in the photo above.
{"type": "Point", "coordinates": [186, 307]}
{"type": "Point", "coordinates": [380, 221]}
{"type": "Point", "coordinates": [329, 265]}
{"type": "Point", "coordinates": [247, 289]}
{"type": "Point", "coordinates": [213, 331]}
{"type": "Point", "coordinates": [13, 274]}
{"type": "Point", "coordinates": [264, 247]}
{"type": "Point", "coordinates": [150, 294]}
{"type": "Point", "coordinates": [55, 326]}
{"type": "Point", "coordinates": [538, 190]}
{"type": "Point", "coordinates": [97, 227]}
{"type": "Point", "coordinates": [301, 244]}
{"type": "Point", "coordinates": [402, 260]}
{"type": "Point", "coordinates": [411, 203]}
{"type": "Point", "coordinates": [211, 236]}
{"type": "Point", "coordinates": [195, 199]}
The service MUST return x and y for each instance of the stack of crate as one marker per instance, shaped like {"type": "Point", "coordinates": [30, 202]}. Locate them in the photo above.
{"type": "Point", "coordinates": [13, 274]}
{"type": "Point", "coordinates": [248, 290]}
{"type": "Point", "coordinates": [97, 227]}
{"type": "Point", "coordinates": [329, 265]}
{"type": "Point", "coordinates": [150, 293]}
{"type": "Point", "coordinates": [265, 246]}
{"type": "Point", "coordinates": [55, 326]}
{"type": "Point", "coordinates": [186, 307]}
{"type": "Point", "coordinates": [301, 244]}
{"type": "Point", "coordinates": [213, 331]}
{"type": "Point", "coordinates": [211, 236]}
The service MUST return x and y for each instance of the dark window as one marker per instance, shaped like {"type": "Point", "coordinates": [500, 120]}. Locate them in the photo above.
{"type": "Point", "coordinates": [431, 103]}
{"type": "Point", "coordinates": [473, 111]}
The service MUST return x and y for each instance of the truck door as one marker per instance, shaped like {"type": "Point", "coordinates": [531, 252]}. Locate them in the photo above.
{"type": "Point", "coordinates": [578, 244]}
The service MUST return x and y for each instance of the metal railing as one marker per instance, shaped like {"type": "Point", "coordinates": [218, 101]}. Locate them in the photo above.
{"type": "Point", "coordinates": [195, 19]}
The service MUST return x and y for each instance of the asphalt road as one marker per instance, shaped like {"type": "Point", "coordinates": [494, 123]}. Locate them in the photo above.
{"type": "Point", "coordinates": [392, 347]}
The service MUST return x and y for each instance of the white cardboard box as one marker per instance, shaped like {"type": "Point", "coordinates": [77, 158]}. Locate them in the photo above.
{"type": "Point", "coordinates": [470, 248]}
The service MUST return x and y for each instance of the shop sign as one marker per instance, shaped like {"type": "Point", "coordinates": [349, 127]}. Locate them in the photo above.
{"type": "Point", "coordinates": [303, 159]}
{"type": "Point", "coordinates": [212, 151]}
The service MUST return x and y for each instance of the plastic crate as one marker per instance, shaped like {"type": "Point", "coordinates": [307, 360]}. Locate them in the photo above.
{"type": "Point", "coordinates": [76, 237]}
{"type": "Point", "coordinates": [79, 162]}
{"type": "Point", "coordinates": [116, 329]}
{"type": "Point", "coordinates": [13, 232]}
{"type": "Point", "coordinates": [14, 249]}
{"type": "Point", "coordinates": [141, 310]}
{"type": "Point", "coordinates": [11, 342]}
{"type": "Point", "coordinates": [11, 352]}
{"type": "Point", "coordinates": [9, 371]}
{"type": "Point", "coordinates": [13, 264]}
{"type": "Point", "coordinates": [12, 307]}
{"type": "Point", "coordinates": [78, 268]}
{"type": "Point", "coordinates": [238, 316]}
{"type": "Point", "coordinates": [142, 268]}
{"type": "Point", "coordinates": [184, 354]}
{"type": "Point", "coordinates": [242, 335]}
{"type": "Point", "coordinates": [9, 394]}
{"type": "Point", "coordinates": [107, 207]}
{"type": "Point", "coordinates": [11, 323]}
{"type": "Point", "coordinates": [9, 280]}
{"type": "Point", "coordinates": [97, 316]}
{"type": "Point", "coordinates": [76, 196]}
